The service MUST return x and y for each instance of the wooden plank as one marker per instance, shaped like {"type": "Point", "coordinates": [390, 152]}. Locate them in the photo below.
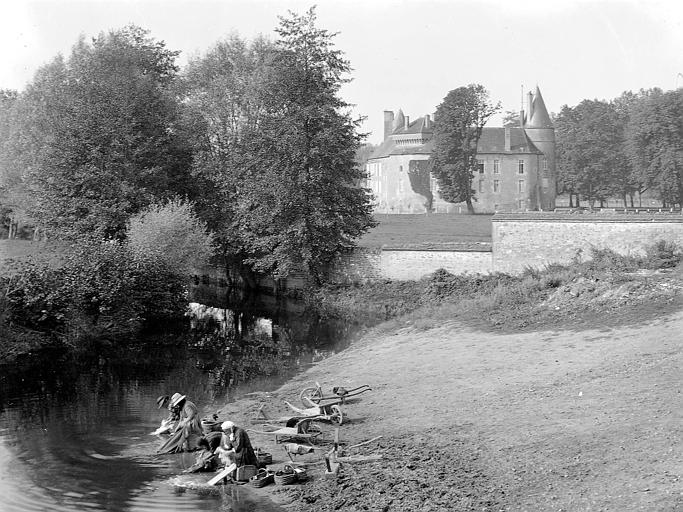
{"type": "Point", "coordinates": [220, 476]}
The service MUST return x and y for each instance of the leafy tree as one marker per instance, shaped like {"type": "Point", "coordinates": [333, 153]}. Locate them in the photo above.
{"type": "Point", "coordinates": [280, 146]}
{"type": "Point", "coordinates": [590, 150]}
{"type": "Point", "coordinates": [316, 203]}
{"type": "Point", "coordinates": [225, 95]}
{"type": "Point", "coordinates": [655, 143]}
{"type": "Point", "coordinates": [460, 118]}
{"type": "Point", "coordinates": [99, 137]}
{"type": "Point", "coordinates": [511, 119]}
{"type": "Point", "coordinates": [172, 233]}
{"type": "Point", "coordinates": [99, 292]}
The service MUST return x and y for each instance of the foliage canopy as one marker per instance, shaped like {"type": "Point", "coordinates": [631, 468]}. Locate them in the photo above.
{"type": "Point", "coordinates": [459, 121]}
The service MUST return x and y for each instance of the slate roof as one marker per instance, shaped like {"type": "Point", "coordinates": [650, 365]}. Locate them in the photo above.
{"type": "Point", "coordinates": [492, 140]}
{"type": "Point", "coordinates": [539, 113]}
{"type": "Point", "coordinates": [417, 126]}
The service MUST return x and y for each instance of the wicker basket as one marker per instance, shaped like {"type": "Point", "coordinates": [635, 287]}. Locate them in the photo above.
{"type": "Point", "coordinates": [262, 478]}
{"type": "Point", "coordinates": [264, 458]}
{"type": "Point", "coordinates": [301, 474]}
{"type": "Point", "coordinates": [210, 425]}
{"type": "Point", "coordinates": [286, 477]}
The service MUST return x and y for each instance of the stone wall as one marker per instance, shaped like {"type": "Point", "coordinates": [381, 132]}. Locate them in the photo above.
{"type": "Point", "coordinates": [535, 239]}
{"type": "Point", "coordinates": [407, 264]}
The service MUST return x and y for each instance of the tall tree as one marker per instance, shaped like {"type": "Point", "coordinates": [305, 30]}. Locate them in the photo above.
{"type": "Point", "coordinates": [655, 143]}
{"type": "Point", "coordinates": [224, 108]}
{"type": "Point", "coordinates": [316, 205]}
{"type": "Point", "coordinates": [590, 150]}
{"type": "Point", "coordinates": [99, 133]}
{"type": "Point", "coordinates": [460, 118]}
{"type": "Point", "coordinates": [281, 145]}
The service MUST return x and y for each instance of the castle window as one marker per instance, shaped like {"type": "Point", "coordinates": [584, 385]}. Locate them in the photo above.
{"type": "Point", "coordinates": [520, 204]}
{"type": "Point", "coordinates": [400, 168]}
{"type": "Point", "coordinates": [481, 186]}
{"type": "Point", "coordinates": [496, 185]}
{"type": "Point", "coordinates": [480, 166]}
{"type": "Point", "coordinates": [545, 164]}
{"type": "Point", "coordinates": [545, 183]}
{"type": "Point", "coordinates": [520, 186]}
{"type": "Point", "coordinates": [496, 167]}
{"type": "Point", "coordinates": [400, 186]}
{"type": "Point", "coordinates": [520, 166]}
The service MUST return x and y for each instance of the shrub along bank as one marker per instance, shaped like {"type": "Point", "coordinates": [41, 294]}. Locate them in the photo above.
{"type": "Point", "coordinates": [536, 297]}
{"type": "Point", "coordinates": [101, 291]}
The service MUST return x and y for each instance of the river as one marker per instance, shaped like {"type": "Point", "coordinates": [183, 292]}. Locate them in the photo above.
{"type": "Point", "coordinates": [75, 430]}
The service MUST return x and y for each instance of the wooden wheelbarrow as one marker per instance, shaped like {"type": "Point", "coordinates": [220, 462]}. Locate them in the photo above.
{"type": "Point", "coordinates": [296, 429]}
{"type": "Point", "coordinates": [330, 411]}
{"type": "Point", "coordinates": [315, 394]}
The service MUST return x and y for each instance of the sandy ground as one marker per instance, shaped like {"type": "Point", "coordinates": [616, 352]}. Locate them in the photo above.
{"type": "Point", "coordinates": [555, 420]}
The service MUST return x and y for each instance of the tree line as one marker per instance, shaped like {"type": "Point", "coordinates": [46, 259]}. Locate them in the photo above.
{"type": "Point", "coordinates": [252, 134]}
{"type": "Point", "coordinates": [622, 148]}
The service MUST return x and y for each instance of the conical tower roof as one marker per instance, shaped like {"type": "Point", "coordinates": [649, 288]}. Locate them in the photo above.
{"type": "Point", "coordinates": [539, 114]}
{"type": "Point", "coordinates": [399, 120]}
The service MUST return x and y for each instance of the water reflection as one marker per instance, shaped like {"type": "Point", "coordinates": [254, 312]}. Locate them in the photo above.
{"type": "Point", "coordinates": [74, 430]}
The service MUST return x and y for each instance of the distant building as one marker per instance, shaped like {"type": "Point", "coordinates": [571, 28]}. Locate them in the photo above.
{"type": "Point", "coordinates": [515, 166]}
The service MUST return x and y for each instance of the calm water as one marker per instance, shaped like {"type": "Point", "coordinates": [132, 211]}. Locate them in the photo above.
{"type": "Point", "coordinates": [74, 432]}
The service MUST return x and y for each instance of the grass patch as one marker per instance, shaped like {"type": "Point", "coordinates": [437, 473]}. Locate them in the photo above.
{"type": "Point", "coordinates": [421, 230]}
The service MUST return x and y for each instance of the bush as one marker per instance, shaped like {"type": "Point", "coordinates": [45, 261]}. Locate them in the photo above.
{"type": "Point", "coordinates": [101, 292]}
{"type": "Point", "coordinates": [662, 254]}
{"type": "Point", "coordinates": [171, 233]}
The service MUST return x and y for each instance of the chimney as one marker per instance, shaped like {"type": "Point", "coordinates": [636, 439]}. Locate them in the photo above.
{"type": "Point", "coordinates": [521, 118]}
{"type": "Point", "coordinates": [388, 122]}
{"type": "Point", "coordinates": [428, 121]}
{"type": "Point", "coordinates": [407, 123]}
{"type": "Point", "coordinates": [507, 139]}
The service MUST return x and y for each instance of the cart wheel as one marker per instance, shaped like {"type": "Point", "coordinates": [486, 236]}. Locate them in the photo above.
{"type": "Point", "coordinates": [312, 393]}
{"type": "Point", "coordinates": [338, 415]}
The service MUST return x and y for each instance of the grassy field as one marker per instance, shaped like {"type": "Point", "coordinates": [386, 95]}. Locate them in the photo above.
{"type": "Point", "coordinates": [406, 231]}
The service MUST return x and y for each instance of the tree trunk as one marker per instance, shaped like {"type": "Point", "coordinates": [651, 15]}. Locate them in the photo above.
{"type": "Point", "coordinates": [571, 200]}
{"type": "Point", "coordinates": [623, 197]}
{"type": "Point", "coordinates": [470, 206]}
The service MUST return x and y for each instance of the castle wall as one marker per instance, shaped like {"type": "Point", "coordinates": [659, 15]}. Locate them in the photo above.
{"type": "Point", "coordinates": [403, 265]}
{"type": "Point", "coordinates": [508, 196]}
{"type": "Point", "coordinates": [389, 181]}
{"type": "Point", "coordinates": [391, 187]}
{"type": "Point", "coordinates": [535, 239]}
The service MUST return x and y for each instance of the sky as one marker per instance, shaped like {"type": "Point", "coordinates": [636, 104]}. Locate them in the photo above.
{"type": "Point", "coordinates": [405, 54]}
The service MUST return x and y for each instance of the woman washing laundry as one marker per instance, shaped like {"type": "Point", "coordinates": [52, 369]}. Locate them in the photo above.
{"type": "Point", "coordinates": [185, 437]}
{"type": "Point", "coordinates": [235, 447]}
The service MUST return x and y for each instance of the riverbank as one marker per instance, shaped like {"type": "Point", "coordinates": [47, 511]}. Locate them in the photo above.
{"type": "Point", "coordinates": [582, 416]}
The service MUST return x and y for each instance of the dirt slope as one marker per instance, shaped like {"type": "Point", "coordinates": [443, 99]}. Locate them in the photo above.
{"type": "Point", "coordinates": [552, 420]}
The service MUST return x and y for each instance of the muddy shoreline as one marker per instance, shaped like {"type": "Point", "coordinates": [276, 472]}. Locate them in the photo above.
{"type": "Point", "coordinates": [473, 420]}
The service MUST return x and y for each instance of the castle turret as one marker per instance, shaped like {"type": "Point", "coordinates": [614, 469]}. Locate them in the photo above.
{"type": "Point", "coordinates": [399, 121]}
{"type": "Point", "coordinates": [540, 130]}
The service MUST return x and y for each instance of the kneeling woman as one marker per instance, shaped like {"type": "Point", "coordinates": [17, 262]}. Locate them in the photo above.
{"type": "Point", "coordinates": [235, 447]}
